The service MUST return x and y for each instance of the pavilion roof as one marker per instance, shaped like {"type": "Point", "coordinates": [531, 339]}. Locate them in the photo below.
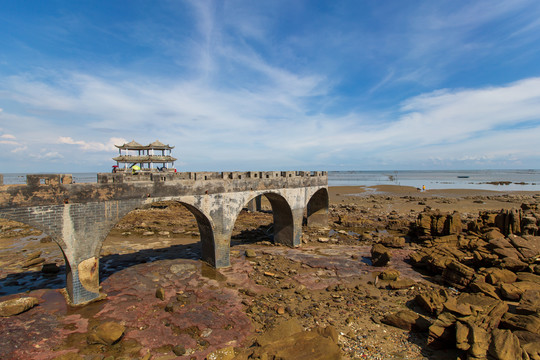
{"type": "Point", "coordinates": [133, 145]}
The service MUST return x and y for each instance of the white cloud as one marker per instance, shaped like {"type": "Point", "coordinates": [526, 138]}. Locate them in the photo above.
{"type": "Point", "coordinates": [47, 155]}
{"type": "Point", "coordinates": [7, 136]}
{"type": "Point", "coordinates": [19, 149]}
{"type": "Point", "coordinates": [92, 145]}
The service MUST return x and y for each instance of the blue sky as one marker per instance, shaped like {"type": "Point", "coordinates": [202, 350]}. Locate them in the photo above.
{"type": "Point", "coordinates": [264, 85]}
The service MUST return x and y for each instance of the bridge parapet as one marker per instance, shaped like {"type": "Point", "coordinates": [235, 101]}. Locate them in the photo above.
{"type": "Point", "coordinates": [122, 177]}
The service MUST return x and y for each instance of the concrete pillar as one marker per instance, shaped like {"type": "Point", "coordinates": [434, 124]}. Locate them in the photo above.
{"type": "Point", "coordinates": [254, 204]}
{"type": "Point", "coordinates": [82, 280]}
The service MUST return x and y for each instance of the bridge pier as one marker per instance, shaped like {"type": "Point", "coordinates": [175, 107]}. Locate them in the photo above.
{"type": "Point", "coordinates": [82, 281]}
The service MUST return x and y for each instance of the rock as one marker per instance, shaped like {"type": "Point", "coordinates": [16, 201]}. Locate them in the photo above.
{"type": "Point", "coordinates": [284, 329]}
{"type": "Point", "coordinates": [529, 323]}
{"type": "Point", "coordinates": [380, 255]}
{"type": "Point", "coordinates": [389, 274]}
{"type": "Point", "coordinates": [528, 246]}
{"type": "Point", "coordinates": [107, 333]}
{"type": "Point", "coordinates": [525, 276]}
{"type": "Point", "coordinates": [485, 288]}
{"type": "Point", "coordinates": [461, 309]}
{"type": "Point", "coordinates": [17, 306]}
{"type": "Point", "coordinates": [407, 320]}
{"type": "Point", "coordinates": [530, 303]}
{"type": "Point", "coordinates": [180, 350]}
{"type": "Point", "coordinates": [33, 255]}
{"type": "Point", "coordinates": [512, 264]}
{"type": "Point", "coordinates": [250, 253]}
{"type": "Point", "coordinates": [496, 276]}
{"type": "Point", "coordinates": [394, 242]}
{"type": "Point", "coordinates": [442, 332]}
{"type": "Point", "coordinates": [532, 350]}
{"type": "Point", "coordinates": [303, 345]}
{"type": "Point", "coordinates": [504, 345]}
{"type": "Point", "coordinates": [479, 342]}
{"type": "Point", "coordinates": [148, 233]}
{"type": "Point", "coordinates": [221, 354]}
{"type": "Point", "coordinates": [510, 292]}
{"type": "Point", "coordinates": [493, 234]}
{"type": "Point", "coordinates": [51, 268]}
{"type": "Point", "coordinates": [458, 275]}
{"type": "Point", "coordinates": [33, 262]}
{"type": "Point", "coordinates": [160, 293]}
{"type": "Point", "coordinates": [402, 283]}
{"type": "Point", "coordinates": [432, 301]}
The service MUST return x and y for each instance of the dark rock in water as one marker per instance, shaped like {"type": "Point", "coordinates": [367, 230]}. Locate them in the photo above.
{"type": "Point", "coordinates": [380, 255]}
{"type": "Point", "coordinates": [107, 333]}
{"type": "Point", "coordinates": [50, 269]}
{"type": "Point", "coordinates": [17, 306]}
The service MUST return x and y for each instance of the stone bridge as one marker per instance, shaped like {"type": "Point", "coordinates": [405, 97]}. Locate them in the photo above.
{"type": "Point", "coordinates": [78, 217]}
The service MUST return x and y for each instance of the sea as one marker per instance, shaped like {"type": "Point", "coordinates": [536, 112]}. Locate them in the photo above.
{"type": "Point", "coordinates": [498, 180]}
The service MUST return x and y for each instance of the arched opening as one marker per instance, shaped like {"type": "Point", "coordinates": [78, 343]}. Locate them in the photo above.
{"type": "Point", "coordinates": [29, 259]}
{"type": "Point", "coordinates": [282, 228]}
{"type": "Point", "coordinates": [283, 220]}
{"type": "Point", "coordinates": [317, 209]}
{"type": "Point", "coordinates": [158, 231]}
{"type": "Point", "coordinates": [254, 223]}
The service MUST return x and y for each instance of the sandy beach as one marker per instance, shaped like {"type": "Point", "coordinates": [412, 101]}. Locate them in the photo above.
{"type": "Point", "coordinates": [328, 286]}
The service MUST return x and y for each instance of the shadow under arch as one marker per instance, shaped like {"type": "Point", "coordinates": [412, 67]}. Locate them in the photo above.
{"type": "Point", "coordinates": [34, 277]}
{"type": "Point", "coordinates": [317, 209]}
{"type": "Point", "coordinates": [204, 225]}
{"type": "Point", "coordinates": [283, 223]}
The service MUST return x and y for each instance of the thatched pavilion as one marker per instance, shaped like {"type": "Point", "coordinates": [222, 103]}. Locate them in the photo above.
{"type": "Point", "coordinates": [144, 157]}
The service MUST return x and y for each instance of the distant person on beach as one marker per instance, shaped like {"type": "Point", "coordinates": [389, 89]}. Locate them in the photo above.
{"type": "Point", "coordinates": [423, 187]}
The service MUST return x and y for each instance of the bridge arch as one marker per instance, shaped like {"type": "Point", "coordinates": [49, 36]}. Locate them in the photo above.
{"type": "Point", "coordinates": [204, 223]}
{"type": "Point", "coordinates": [282, 214]}
{"type": "Point", "coordinates": [317, 208]}
{"type": "Point", "coordinates": [30, 275]}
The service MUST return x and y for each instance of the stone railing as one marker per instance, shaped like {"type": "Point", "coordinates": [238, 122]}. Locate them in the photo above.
{"type": "Point", "coordinates": [158, 176]}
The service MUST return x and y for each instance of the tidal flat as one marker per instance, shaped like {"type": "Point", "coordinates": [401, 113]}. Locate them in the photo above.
{"type": "Point", "coordinates": [449, 259]}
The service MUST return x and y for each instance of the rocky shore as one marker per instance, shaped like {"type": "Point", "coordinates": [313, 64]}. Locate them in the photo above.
{"type": "Point", "coordinates": [398, 274]}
